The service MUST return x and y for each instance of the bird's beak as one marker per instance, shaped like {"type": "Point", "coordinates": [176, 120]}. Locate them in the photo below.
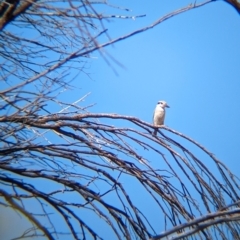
{"type": "Point", "coordinates": [167, 106]}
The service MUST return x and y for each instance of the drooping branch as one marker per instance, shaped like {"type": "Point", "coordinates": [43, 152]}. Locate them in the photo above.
{"type": "Point", "coordinates": [85, 139]}
{"type": "Point", "coordinates": [73, 164]}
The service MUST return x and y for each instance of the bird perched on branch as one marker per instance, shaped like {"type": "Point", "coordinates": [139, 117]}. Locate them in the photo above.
{"type": "Point", "coordinates": [159, 114]}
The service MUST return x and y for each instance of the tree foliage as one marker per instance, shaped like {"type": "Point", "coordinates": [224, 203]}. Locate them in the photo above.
{"type": "Point", "coordinates": [61, 163]}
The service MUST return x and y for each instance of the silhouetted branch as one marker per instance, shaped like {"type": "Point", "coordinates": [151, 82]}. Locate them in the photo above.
{"type": "Point", "coordinates": [72, 164]}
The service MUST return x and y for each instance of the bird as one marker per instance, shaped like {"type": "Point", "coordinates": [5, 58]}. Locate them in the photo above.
{"type": "Point", "coordinates": [159, 114]}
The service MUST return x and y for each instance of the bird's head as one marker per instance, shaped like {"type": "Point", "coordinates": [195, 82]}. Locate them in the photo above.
{"type": "Point", "coordinates": [163, 104]}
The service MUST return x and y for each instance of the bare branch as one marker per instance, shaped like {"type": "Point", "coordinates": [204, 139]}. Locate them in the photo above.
{"type": "Point", "coordinates": [71, 163]}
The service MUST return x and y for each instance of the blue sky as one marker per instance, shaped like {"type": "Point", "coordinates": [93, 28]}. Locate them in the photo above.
{"type": "Point", "coordinates": [191, 61]}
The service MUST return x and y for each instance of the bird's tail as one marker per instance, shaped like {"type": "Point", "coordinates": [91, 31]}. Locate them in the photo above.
{"type": "Point", "coordinates": [155, 132]}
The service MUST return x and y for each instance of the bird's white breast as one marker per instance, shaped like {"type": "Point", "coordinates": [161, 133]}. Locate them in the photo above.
{"type": "Point", "coordinates": [159, 115]}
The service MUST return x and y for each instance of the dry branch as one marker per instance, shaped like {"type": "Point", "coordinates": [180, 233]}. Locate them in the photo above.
{"type": "Point", "coordinates": [73, 164]}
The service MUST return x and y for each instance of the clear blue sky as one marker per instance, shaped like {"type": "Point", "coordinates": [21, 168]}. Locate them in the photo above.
{"type": "Point", "coordinates": [191, 61]}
